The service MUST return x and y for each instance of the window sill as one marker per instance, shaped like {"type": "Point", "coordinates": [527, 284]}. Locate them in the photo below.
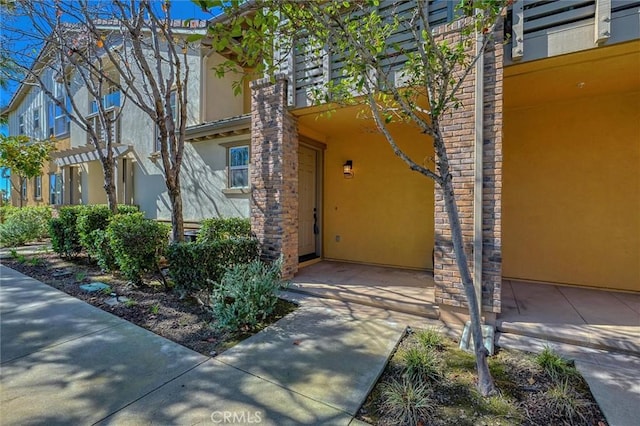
{"type": "Point", "coordinates": [236, 191]}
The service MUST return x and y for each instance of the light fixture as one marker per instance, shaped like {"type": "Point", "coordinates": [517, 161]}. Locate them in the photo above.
{"type": "Point", "coordinates": [347, 169]}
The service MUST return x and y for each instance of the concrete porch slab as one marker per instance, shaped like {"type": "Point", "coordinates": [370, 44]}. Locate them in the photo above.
{"type": "Point", "coordinates": [395, 289]}
{"type": "Point", "coordinates": [586, 317]}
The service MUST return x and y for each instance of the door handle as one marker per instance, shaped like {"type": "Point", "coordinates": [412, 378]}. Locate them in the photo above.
{"type": "Point", "coordinates": [316, 231]}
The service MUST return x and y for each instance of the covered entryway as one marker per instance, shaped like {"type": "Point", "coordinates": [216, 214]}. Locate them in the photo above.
{"type": "Point", "coordinates": [571, 192]}
{"type": "Point", "coordinates": [309, 199]}
{"type": "Point", "coordinates": [382, 214]}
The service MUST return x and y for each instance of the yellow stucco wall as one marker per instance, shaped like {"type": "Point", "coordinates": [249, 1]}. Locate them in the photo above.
{"type": "Point", "coordinates": [384, 214]}
{"type": "Point", "coordinates": [95, 194]}
{"type": "Point", "coordinates": [571, 195]}
{"type": "Point", "coordinates": [48, 167]}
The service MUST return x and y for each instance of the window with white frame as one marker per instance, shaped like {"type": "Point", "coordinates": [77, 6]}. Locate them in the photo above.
{"type": "Point", "coordinates": [60, 122]}
{"type": "Point", "coordinates": [37, 188]}
{"type": "Point", "coordinates": [36, 118]}
{"type": "Point", "coordinates": [238, 162]}
{"type": "Point", "coordinates": [109, 100]}
{"type": "Point", "coordinates": [23, 189]}
{"type": "Point", "coordinates": [21, 124]}
{"type": "Point", "coordinates": [55, 188]}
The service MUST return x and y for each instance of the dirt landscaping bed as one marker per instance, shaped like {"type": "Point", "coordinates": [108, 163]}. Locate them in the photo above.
{"type": "Point", "coordinates": [429, 381]}
{"type": "Point", "coordinates": [184, 321]}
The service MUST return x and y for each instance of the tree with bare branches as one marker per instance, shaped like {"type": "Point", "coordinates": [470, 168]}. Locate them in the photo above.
{"type": "Point", "coordinates": [131, 48]}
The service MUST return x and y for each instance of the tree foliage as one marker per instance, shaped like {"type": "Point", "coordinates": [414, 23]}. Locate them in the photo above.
{"type": "Point", "coordinates": [391, 63]}
{"type": "Point", "coordinates": [24, 157]}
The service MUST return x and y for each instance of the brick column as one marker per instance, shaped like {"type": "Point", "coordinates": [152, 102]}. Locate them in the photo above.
{"type": "Point", "coordinates": [459, 134]}
{"type": "Point", "coordinates": [274, 173]}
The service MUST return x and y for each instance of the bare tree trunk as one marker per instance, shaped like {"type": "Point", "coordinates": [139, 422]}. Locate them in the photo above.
{"type": "Point", "coordinates": [175, 197]}
{"type": "Point", "coordinates": [21, 180]}
{"type": "Point", "coordinates": [110, 188]}
{"type": "Point", "coordinates": [485, 381]}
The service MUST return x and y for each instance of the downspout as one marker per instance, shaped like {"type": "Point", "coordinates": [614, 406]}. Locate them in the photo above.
{"type": "Point", "coordinates": [478, 175]}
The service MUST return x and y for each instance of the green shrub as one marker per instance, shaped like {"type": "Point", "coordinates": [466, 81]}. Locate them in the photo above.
{"type": "Point", "coordinates": [567, 405]}
{"type": "Point", "coordinates": [102, 251]}
{"type": "Point", "coordinates": [218, 229]}
{"type": "Point", "coordinates": [554, 365]}
{"type": "Point", "coordinates": [193, 266]}
{"type": "Point", "coordinates": [24, 225]}
{"type": "Point", "coordinates": [421, 364]}
{"type": "Point", "coordinates": [430, 339]}
{"type": "Point", "coordinates": [408, 402]}
{"type": "Point", "coordinates": [91, 218]}
{"type": "Point", "coordinates": [246, 295]}
{"type": "Point", "coordinates": [63, 231]}
{"type": "Point", "coordinates": [137, 243]}
{"type": "Point", "coordinates": [6, 211]}
{"type": "Point", "coordinates": [96, 218]}
{"type": "Point", "coordinates": [128, 209]}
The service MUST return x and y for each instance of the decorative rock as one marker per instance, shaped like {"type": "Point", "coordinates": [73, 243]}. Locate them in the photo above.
{"type": "Point", "coordinates": [61, 274]}
{"type": "Point", "coordinates": [93, 287]}
{"type": "Point", "coordinates": [116, 300]}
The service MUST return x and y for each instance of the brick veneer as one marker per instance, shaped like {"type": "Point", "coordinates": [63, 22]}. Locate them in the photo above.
{"type": "Point", "coordinates": [458, 132]}
{"type": "Point", "coordinates": [274, 173]}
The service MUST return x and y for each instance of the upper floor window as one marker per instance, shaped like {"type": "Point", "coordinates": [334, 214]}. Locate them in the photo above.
{"type": "Point", "coordinates": [238, 166]}
{"type": "Point", "coordinates": [21, 124]}
{"type": "Point", "coordinates": [61, 120]}
{"type": "Point", "coordinates": [58, 121]}
{"type": "Point", "coordinates": [111, 99]}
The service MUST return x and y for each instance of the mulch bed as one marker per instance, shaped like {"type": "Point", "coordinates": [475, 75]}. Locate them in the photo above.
{"type": "Point", "coordinates": [185, 321]}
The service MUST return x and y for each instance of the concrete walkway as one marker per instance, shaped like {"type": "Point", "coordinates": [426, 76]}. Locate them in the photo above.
{"type": "Point", "coordinates": [66, 362]}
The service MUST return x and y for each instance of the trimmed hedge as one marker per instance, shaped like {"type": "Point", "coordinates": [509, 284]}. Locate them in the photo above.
{"type": "Point", "coordinates": [63, 230]}
{"type": "Point", "coordinates": [92, 218]}
{"type": "Point", "coordinates": [195, 266]}
{"type": "Point", "coordinates": [219, 229]}
{"type": "Point", "coordinates": [137, 243]}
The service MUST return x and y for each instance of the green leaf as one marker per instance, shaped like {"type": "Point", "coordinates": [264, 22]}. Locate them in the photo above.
{"type": "Point", "coordinates": [194, 37]}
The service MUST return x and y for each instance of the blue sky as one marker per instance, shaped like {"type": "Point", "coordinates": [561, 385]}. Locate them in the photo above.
{"type": "Point", "coordinates": [182, 9]}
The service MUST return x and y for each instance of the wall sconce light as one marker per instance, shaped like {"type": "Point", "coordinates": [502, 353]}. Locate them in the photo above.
{"type": "Point", "coordinates": [347, 169]}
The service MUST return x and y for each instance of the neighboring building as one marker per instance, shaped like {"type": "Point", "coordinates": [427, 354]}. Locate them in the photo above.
{"type": "Point", "coordinates": [214, 174]}
{"type": "Point", "coordinates": [33, 114]}
{"type": "Point", "coordinates": [560, 162]}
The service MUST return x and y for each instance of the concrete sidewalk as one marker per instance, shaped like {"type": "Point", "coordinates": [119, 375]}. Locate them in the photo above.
{"type": "Point", "coordinates": [66, 362]}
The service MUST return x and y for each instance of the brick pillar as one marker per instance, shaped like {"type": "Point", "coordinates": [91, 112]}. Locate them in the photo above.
{"type": "Point", "coordinates": [459, 133]}
{"type": "Point", "coordinates": [274, 173]}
